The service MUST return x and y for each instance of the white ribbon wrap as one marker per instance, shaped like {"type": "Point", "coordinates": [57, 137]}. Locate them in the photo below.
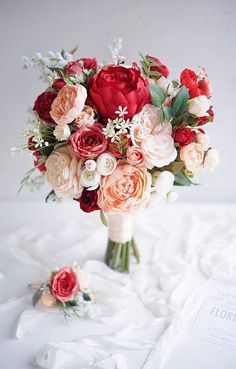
{"type": "Point", "coordinates": [120, 228]}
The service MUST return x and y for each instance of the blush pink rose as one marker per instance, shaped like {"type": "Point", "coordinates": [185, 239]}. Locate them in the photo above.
{"type": "Point", "coordinates": [125, 190]}
{"type": "Point", "coordinates": [64, 284]}
{"type": "Point", "coordinates": [68, 104]}
{"type": "Point", "coordinates": [193, 156]}
{"type": "Point", "coordinates": [135, 156]}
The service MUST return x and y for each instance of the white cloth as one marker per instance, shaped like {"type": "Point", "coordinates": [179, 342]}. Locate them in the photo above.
{"type": "Point", "coordinates": [137, 317]}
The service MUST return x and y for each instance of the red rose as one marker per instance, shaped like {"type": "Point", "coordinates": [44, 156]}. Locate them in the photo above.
{"type": "Point", "coordinates": [31, 144]}
{"type": "Point", "coordinates": [58, 84]}
{"type": "Point", "coordinates": [205, 87]}
{"type": "Point", "coordinates": [64, 284]}
{"type": "Point", "coordinates": [160, 68]}
{"type": "Point", "coordinates": [89, 63]}
{"type": "Point", "coordinates": [88, 200]}
{"type": "Point", "coordinates": [40, 167]}
{"type": "Point", "coordinates": [117, 149]}
{"type": "Point", "coordinates": [184, 136]}
{"type": "Point", "coordinates": [43, 104]}
{"type": "Point", "coordinates": [88, 141]}
{"type": "Point", "coordinates": [73, 68]}
{"type": "Point", "coordinates": [206, 119]}
{"type": "Point", "coordinates": [194, 92]}
{"type": "Point", "coordinates": [188, 78]}
{"type": "Point", "coordinates": [116, 86]}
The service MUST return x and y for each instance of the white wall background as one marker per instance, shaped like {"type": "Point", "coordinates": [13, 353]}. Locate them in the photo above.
{"type": "Point", "coordinates": [184, 33]}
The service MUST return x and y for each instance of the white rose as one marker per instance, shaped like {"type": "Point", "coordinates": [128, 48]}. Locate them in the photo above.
{"type": "Point", "coordinates": [198, 106]}
{"type": "Point", "coordinates": [212, 160]}
{"type": "Point", "coordinates": [159, 150]}
{"type": "Point", "coordinates": [62, 132]}
{"type": "Point", "coordinates": [203, 140]}
{"type": "Point", "coordinates": [106, 163]}
{"type": "Point", "coordinates": [163, 182]}
{"type": "Point", "coordinates": [90, 165]}
{"type": "Point", "coordinates": [89, 178]}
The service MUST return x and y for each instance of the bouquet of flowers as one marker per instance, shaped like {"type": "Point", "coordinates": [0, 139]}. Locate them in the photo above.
{"type": "Point", "coordinates": [114, 137]}
{"type": "Point", "coordinates": [66, 288]}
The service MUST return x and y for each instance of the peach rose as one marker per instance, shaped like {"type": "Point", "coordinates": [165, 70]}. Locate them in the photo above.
{"type": "Point", "coordinates": [203, 140]}
{"type": "Point", "coordinates": [153, 138]}
{"type": "Point", "coordinates": [85, 117]}
{"type": "Point", "coordinates": [192, 156]}
{"type": "Point", "coordinates": [135, 156]}
{"type": "Point", "coordinates": [68, 104]}
{"type": "Point", "coordinates": [125, 190]}
{"type": "Point", "coordinates": [63, 170]}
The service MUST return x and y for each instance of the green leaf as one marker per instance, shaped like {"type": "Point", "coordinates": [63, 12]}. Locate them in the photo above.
{"type": "Point", "coordinates": [167, 112]}
{"type": "Point", "coordinates": [178, 107]}
{"type": "Point", "coordinates": [86, 297]}
{"type": "Point", "coordinates": [103, 219]}
{"type": "Point", "coordinates": [181, 180]}
{"type": "Point", "coordinates": [174, 167]}
{"type": "Point", "coordinates": [157, 95]}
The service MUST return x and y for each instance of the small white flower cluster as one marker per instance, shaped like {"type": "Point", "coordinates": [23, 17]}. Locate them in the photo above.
{"type": "Point", "coordinates": [115, 128]}
{"type": "Point", "coordinates": [53, 60]}
{"type": "Point", "coordinates": [114, 49]}
{"type": "Point", "coordinates": [34, 130]}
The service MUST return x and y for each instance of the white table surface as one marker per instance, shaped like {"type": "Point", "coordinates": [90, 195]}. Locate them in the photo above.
{"type": "Point", "coordinates": [181, 245]}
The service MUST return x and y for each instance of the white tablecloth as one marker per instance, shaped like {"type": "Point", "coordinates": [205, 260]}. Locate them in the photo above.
{"type": "Point", "coordinates": [136, 318]}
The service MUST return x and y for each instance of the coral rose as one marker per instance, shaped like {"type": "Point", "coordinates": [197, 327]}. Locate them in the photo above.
{"type": "Point", "coordinates": [193, 156]}
{"type": "Point", "coordinates": [64, 284]}
{"type": "Point", "coordinates": [116, 86]}
{"type": "Point", "coordinates": [88, 141]}
{"type": "Point", "coordinates": [125, 190]}
{"type": "Point", "coordinates": [63, 171]}
{"type": "Point", "coordinates": [68, 104]}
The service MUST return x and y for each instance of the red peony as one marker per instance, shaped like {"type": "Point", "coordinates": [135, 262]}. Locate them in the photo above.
{"type": "Point", "coordinates": [89, 63]}
{"type": "Point", "coordinates": [116, 86]}
{"type": "Point", "coordinates": [43, 104]}
{"type": "Point", "coordinates": [160, 68]}
{"type": "Point", "coordinates": [88, 200]}
{"type": "Point", "coordinates": [88, 141]}
{"type": "Point", "coordinates": [58, 84]}
{"type": "Point", "coordinates": [73, 68]}
{"type": "Point", "coordinates": [40, 167]}
{"type": "Point", "coordinates": [188, 78]}
{"type": "Point", "coordinates": [64, 284]}
{"type": "Point", "coordinates": [184, 136]}
{"type": "Point", "coordinates": [205, 87]}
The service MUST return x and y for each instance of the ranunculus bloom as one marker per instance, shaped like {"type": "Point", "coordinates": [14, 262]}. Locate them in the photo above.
{"type": "Point", "coordinates": [58, 84]}
{"type": "Point", "coordinates": [88, 200]}
{"type": "Point", "coordinates": [153, 138]}
{"type": "Point", "coordinates": [62, 132]}
{"type": "Point", "coordinates": [161, 68]}
{"type": "Point", "coordinates": [88, 141]}
{"type": "Point", "coordinates": [192, 155]}
{"type": "Point", "coordinates": [85, 117]}
{"type": "Point", "coordinates": [116, 86]}
{"type": "Point", "coordinates": [89, 63]}
{"type": "Point", "coordinates": [68, 104]}
{"type": "Point", "coordinates": [125, 190]}
{"type": "Point", "coordinates": [188, 78]}
{"type": "Point", "coordinates": [106, 164]}
{"type": "Point", "coordinates": [40, 167]}
{"type": "Point", "coordinates": [43, 105]}
{"type": "Point", "coordinates": [73, 68]}
{"type": "Point", "coordinates": [183, 136]}
{"type": "Point", "coordinates": [63, 172]}
{"type": "Point", "coordinates": [135, 156]}
{"type": "Point", "coordinates": [64, 284]}
{"type": "Point", "coordinates": [212, 160]}
{"type": "Point", "coordinates": [198, 106]}
{"type": "Point", "coordinates": [90, 178]}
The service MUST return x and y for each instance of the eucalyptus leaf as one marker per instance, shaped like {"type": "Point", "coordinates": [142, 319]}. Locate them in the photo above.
{"type": "Point", "coordinates": [167, 112]}
{"type": "Point", "coordinates": [181, 180]}
{"type": "Point", "coordinates": [178, 107]}
{"type": "Point", "coordinates": [174, 167]}
{"type": "Point", "coordinates": [103, 219]}
{"type": "Point", "coordinates": [157, 95]}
